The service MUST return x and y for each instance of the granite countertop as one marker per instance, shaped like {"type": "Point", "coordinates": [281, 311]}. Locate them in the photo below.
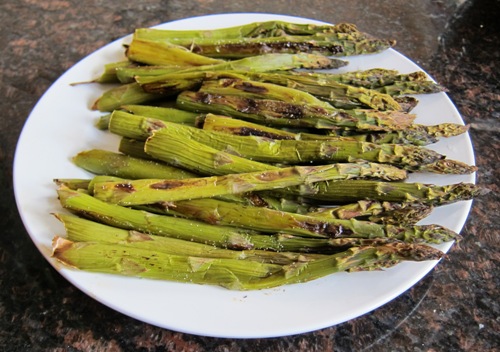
{"type": "Point", "coordinates": [454, 308]}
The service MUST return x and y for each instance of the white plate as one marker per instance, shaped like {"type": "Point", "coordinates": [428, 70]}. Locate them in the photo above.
{"type": "Point", "coordinates": [62, 124]}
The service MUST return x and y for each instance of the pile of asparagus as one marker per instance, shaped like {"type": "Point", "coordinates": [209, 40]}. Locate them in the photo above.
{"type": "Point", "coordinates": [244, 163]}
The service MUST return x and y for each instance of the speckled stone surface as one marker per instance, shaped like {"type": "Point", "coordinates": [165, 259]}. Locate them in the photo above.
{"type": "Point", "coordinates": [454, 308]}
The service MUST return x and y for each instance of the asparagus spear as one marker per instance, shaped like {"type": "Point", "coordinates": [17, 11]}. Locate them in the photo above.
{"type": "Point", "coordinates": [413, 158]}
{"type": "Point", "coordinates": [299, 151]}
{"type": "Point", "coordinates": [229, 273]}
{"type": "Point", "coordinates": [349, 191]}
{"type": "Point", "coordinates": [279, 113]}
{"type": "Point", "coordinates": [247, 88]}
{"type": "Point", "coordinates": [82, 230]}
{"type": "Point", "coordinates": [330, 45]}
{"type": "Point", "coordinates": [198, 157]}
{"type": "Point", "coordinates": [131, 93]}
{"type": "Point", "coordinates": [416, 134]}
{"type": "Point", "coordinates": [246, 47]}
{"type": "Point", "coordinates": [166, 114]}
{"type": "Point", "coordinates": [131, 261]}
{"type": "Point", "coordinates": [126, 74]}
{"type": "Point", "coordinates": [148, 191]}
{"type": "Point", "coordinates": [262, 111]}
{"type": "Point", "coordinates": [261, 63]}
{"type": "Point", "coordinates": [134, 148]}
{"type": "Point", "coordinates": [395, 213]}
{"type": "Point", "coordinates": [446, 166]}
{"type": "Point", "coordinates": [397, 83]}
{"type": "Point", "coordinates": [103, 162]}
{"type": "Point", "coordinates": [252, 30]}
{"type": "Point", "coordinates": [110, 71]}
{"type": "Point", "coordinates": [134, 126]}
{"type": "Point", "coordinates": [374, 211]}
{"type": "Point", "coordinates": [155, 53]}
{"type": "Point", "coordinates": [226, 124]}
{"type": "Point", "coordinates": [353, 259]}
{"type": "Point", "coordinates": [239, 41]}
{"type": "Point", "coordinates": [411, 87]}
{"type": "Point", "coordinates": [220, 212]}
{"type": "Point", "coordinates": [171, 147]}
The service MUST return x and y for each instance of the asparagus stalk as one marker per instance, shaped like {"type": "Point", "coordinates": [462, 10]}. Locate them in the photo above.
{"type": "Point", "coordinates": [397, 83]}
{"type": "Point", "coordinates": [131, 261]}
{"type": "Point", "coordinates": [279, 113]}
{"type": "Point", "coordinates": [172, 147]}
{"type": "Point", "coordinates": [445, 166]}
{"type": "Point", "coordinates": [246, 47]}
{"type": "Point", "coordinates": [149, 191]}
{"type": "Point", "coordinates": [226, 124]}
{"type": "Point", "coordinates": [260, 63]}
{"type": "Point", "coordinates": [131, 93]}
{"type": "Point", "coordinates": [134, 148]}
{"type": "Point", "coordinates": [411, 87]}
{"type": "Point", "coordinates": [133, 126]}
{"type": "Point", "coordinates": [349, 191]}
{"type": "Point", "coordinates": [110, 71]}
{"type": "Point", "coordinates": [166, 114]}
{"type": "Point", "coordinates": [263, 219]}
{"type": "Point", "coordinates": [197, 157]}
{"type": "Point", "coordinates": [238, 127]}
{"type": "Point", "coordinates": [330, 45]}
{"type": "Point", "coordinates": [156, 53]}
{"type": "Point", "coordinates": [269, 36]}
{"type": "Point", "coordinates": [262, 111]}
{"type": "Point", "coordinates": [376, 211]}
{"type": "Point", "coordinates": [83, 230]}
{"type": "Point", "coordinates": [298, 151]}
{"type": "Point", "coordinates": [251, 89]}
{"type": "Point", "coordinates": [127, 74]}
{"type": "Point", "coordinates": [412, 158]}
{"type": "Point", "coordinates": [416, 134]}
{"type": "Point", "coordinates": [252, 30]}
{"type": "Point", "coordinates": [229, 273]}
{"type": "Point", "coordinates": [103, 162]}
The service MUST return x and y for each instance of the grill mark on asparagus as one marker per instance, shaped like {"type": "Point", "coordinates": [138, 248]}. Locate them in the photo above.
{"type": "Point", "coordinates": [249, 87]}
{"type": "Point", "coordinates": [154, 125]}
{"type": "Point", "coordinates": [167, 184]}
{"type": "Point", "coordinates": [248, 131]}
{"type": "Point", "coordinates": [266, 48]}
{"type": "Point", "coordinates": [125, 187]}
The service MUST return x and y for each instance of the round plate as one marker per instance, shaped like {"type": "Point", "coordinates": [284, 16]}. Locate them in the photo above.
{"type": "Point", "coordinates": [62, 124]}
